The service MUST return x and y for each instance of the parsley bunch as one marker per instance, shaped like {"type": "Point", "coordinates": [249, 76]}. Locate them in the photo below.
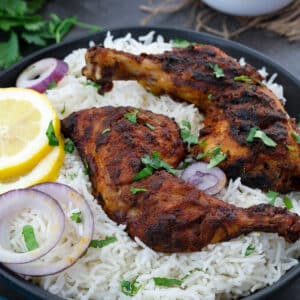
{"type": "Point", "coordinates": [20, 21]}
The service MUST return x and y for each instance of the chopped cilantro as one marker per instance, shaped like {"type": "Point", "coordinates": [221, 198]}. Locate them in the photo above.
{"type": "Point", "coordinates": [135, 190]}
{"type": "Point", "coordinates": [288, 202]}
{"type": "Point", "coordinates": [250, 249]}
{"type": "Point", "coordinates": [186, 134]}
{"type": "Point", "coordinates": [69, 146]}
{"type": "Point", "coordinates": [150, 126]}
{"type": "Point", "coordinates": [272, 196]}
{"type": "Point", "coordinates": [52, 85]}
{"type": "Point", "coordinates": [218, 72]}
{"type": "Point", "coordinates": [216, 156]}
{"type": "Point", "coordinates": [296, 136]}
{"type": "Point", "coordinates": [257, 133]}
{"type": "Point", "coordinates": [29, 238]}
{"type": "Point", "coordinates": [63, 109]}
{"type": "Point", "coordinates": [130, 288]}
{"type": "Point", "coordinates": [161, 281]}
{"type": "Point", "coordinates": [180, 43]}
{"type": "Point", "coordinates": [132, 116]}
{"type": "Point", "coordinates": [76, 217]}
{"type": "Point", "coordinates": [290, 148]}
{"type": "Point", "coordinates": [102, 243]}
{"type": "Point", "coordinates": [86, 168]}
{"type": "Point", "coordinates": [106, 130]}
{"type": "Point", "coordinates": [153, 162]}
{"type": "Point", "coordinates": [243, 78]}
{"type": "Point", "coordinates": [94, 84]}
{"type": "Point", "coordinates": [52, 139]}
{"type": "Point", "coordinates": [209, 96]}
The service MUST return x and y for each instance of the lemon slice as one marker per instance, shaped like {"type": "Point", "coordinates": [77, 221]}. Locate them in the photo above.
{"type": "Point", "coordinates": [46, 170]}
{"type": "Point", "coordinates": [24, 118]}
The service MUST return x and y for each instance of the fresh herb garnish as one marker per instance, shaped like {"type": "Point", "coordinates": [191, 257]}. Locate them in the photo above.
{"type": "Point", "coordinates": [106, 130]}
{"type": "Point", "coordinates": [186, 134]}
{"type": "Point", "coordinates": [151, 163]}
{"type": "Point", "coordinates": [52, 139]}
{"type": "Point", "coordinates": [288, 202]}
{"type": "Point", "coordinates": [257, 133]}
{"type": "Point", "coordinates": [20, 20]}
{"type": "Point", "coordinates": [86, 168]}
{"type": "Point", "coordinates": [180, 43]}
{"type": "Point", "coordinates": [296, 136]}
{"type": "Point", "coordinates": [272, 196]}
{"type": "Point", "coordinates": [135, 190]}
{"type": "Point", "coordinates": [130, 288]}
{"type": "Point", "coordinates": [63, 109]}
{"type": "Point", "coordinates": [150, 126]}
{"type": "Point", "coordinates": [218, 71]}
{"type": "Point", "coordinates": [161, 281]}
{"type": "Point", "coordinates": [243, 78]}
{"type": "Point", "coordinates": [216, 156]}
{"type": "Point", "coordinates": [132, 116]}
{"type": "Point", "coordinates": [209, 96]}
{"type": "Point", "coordinates": [102, 243]}
{"type": "Point", "coordinates": [94, 84]}
{"type": "Point", "coordinates": [76, 217]}
{"type": "Point", "coordinates": [52, 85]}
{"type": "Point", "coordinates": [69, 146]}
{"type": "Point", "coordinates": [290, 148]}
{"type": "Point", "coordinates": [250, 249]}
{"type": "Point", "coordinates": [29, 238]}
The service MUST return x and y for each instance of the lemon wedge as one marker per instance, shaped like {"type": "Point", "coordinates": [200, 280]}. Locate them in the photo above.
{"type": "Point", "coordinates": [46, 170]}
{"type": "Point", "coordinates": [24, 119]}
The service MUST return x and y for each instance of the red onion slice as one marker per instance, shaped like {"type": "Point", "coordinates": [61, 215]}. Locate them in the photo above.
{"type": "Point", "coordinates": [14, 202]}
{"type": "Point", "coordinates": [67, 252]}
{"type": "Point", "coordinates": [209, 180]}
{"type": "Point", "coordinates": [42, 73]}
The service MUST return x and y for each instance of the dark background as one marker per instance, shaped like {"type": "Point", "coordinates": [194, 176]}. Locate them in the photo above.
{"type": "Point", "coordinates": [123, 13]}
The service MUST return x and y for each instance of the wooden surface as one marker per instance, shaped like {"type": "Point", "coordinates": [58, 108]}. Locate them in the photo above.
{"type": "Point", "coordinates": [118, 13]}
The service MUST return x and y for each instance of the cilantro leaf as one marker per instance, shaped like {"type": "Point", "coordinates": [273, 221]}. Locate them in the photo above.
{"type": "Point", "coordinates": [180, 43]}
{"type": "Point", "coordinates": [52, 85]}
{"type": "Point", "coordinates": [29, 238]}
{"type": "Point", "coordinates": [288, 202]}
{"type": "Point", "coordinates": [250, 249]}
{"type": "Point", "coordinates": [76, 217]}
{"type": "Point", "coordinates": [52, 139]}
{"type": "Point", "coordinates": [296, 136]}
{"type": "Point", "coordinates": [272, 196]}
{"type": "Point", "coordinates": [33, 38]}
{"type": "Point", "coordinates": [186, 134]}
{"type": "Point", "coordinates": [94, 84]}
{"type": "Point", "coordinates": [217, 70]}
{"type": "Point", "coordinates": [132, 116]}
{"type": "Point", "coordinates": [243, 78]}
{"type": "Point", "coordinates": [130, 288]}
{"type": "Point", "coordinates": [69, 146]}
{"type": "Point", "coordinates": [145, 172]}
{"type": "Point", "coordinates": [161, 281]}
{"type": "Point", "coordinates": [257, 133]}
{"type": "Point", "coordinates": [135, 190]}
{"type": "Point", "coordinates": [216, 156]}
{"type": "Point", "coordinates": [102, 243]}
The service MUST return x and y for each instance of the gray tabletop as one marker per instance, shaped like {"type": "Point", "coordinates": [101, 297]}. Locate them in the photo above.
{"type": "Point", "coordinates": [123, 13]}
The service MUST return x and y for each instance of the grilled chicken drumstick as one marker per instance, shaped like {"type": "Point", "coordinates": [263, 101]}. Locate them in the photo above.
{"type": "Point", "coordinates": [167, 214]}
{"type": "Point", "coordinates": [234, 102]}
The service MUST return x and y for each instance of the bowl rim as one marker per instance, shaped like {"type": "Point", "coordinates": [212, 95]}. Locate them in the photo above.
{"type": "Point", "coordinates": [27, 288]}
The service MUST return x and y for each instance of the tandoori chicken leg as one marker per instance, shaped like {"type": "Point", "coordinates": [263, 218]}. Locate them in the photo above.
{"type": "Point", "coordinates": [162, 210]}
{"type": "Point", "coordinates": [233, 100]}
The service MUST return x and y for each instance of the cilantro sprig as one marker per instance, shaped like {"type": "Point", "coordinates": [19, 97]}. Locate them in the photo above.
{"type": "Point", "coordinates": [217, 70]}
{"type": "Point", "coordinates": [250, 249]}
{"type": "Point", "coordinates": [152, 163]}
{"type": "Point", "coordinates": [132, 116]}
{"type": "Point", "coordinates": [186, 134]}
{"type": "Point", "coordinates": [272, 196]}
{"type": "Point", "coordinates": [257, 133]}
{"type": "Point", "coordinates": [130, 288]}
{"type": "Point", "coordinates": [76, 217]}
{"type": "Point", "coordinates": [20, 20]}
{"type": "Point", "coordinates": [215, 154]}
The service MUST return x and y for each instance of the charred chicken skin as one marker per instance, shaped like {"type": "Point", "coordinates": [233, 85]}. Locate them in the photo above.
{"type": "Point", "coordinates": [232, 98]}
{"type": "Point", "coordinates": [168, 215]}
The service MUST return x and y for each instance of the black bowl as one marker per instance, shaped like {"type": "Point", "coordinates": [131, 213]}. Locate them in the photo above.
{"type": "Point", "coordinates": [291, 89]}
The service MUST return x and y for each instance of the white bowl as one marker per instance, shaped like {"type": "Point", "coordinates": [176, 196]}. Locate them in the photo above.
{"type": "Point", "coordinates": [247, 7]}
